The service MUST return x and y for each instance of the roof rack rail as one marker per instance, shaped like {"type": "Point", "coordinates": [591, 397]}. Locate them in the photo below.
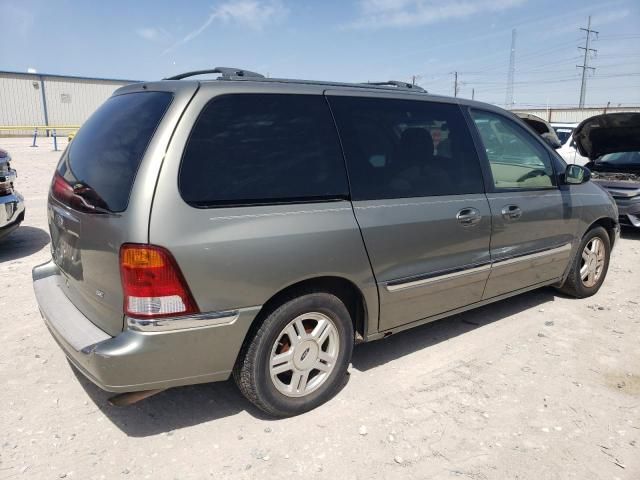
{"type": "Point", "coordinates": [398, 84]}
{"type": "Point", "coordinates": [225, 72]}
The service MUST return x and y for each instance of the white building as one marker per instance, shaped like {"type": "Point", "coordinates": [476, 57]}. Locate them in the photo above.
{"type": "Point", "coordinates": [572, 115]}
{"type": "Point", "coordinates": [57, 100]}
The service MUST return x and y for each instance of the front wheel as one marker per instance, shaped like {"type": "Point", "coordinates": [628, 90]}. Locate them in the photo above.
{"type": "Point", "coordinates": [590, 264]}
{"type": "Point", "coordinates": [298, 358]}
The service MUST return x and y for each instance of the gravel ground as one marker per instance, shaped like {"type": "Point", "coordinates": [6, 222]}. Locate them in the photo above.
{"type": "Point", "coordinates": [538, 386]}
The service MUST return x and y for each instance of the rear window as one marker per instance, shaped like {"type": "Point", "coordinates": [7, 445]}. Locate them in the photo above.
{"type": "Point", "coordinates": [261, 149]}
{"type": "Point", "coordinates": [563, 133]}
{"type": "Point", "coordinates": [106, 152]}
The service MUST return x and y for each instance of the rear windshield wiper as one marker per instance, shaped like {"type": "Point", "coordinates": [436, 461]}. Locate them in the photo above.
{"type": "Point", "coordinates": [90, 198]}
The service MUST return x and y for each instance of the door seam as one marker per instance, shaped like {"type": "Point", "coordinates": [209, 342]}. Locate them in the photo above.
{"type": "Point", "coordinates": [355, 217]}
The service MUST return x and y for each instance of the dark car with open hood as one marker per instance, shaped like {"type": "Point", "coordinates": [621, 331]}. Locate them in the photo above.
{"type": "Point", "coordinates": [612, 143]}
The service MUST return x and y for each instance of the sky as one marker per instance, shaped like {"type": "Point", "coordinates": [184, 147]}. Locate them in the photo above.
{"type": "Point", "coordinates": [352, 41]}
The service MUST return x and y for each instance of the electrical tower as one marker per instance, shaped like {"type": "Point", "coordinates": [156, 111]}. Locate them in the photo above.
{"type": "Point", "coordinates": [455, 84]}
{"type": "Point", "coordinates": [585, 64]}
{"type": "Point", "coordinates": [512, 71]}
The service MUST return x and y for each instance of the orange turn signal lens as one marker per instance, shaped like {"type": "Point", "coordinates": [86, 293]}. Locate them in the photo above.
{"type": "Point", "coordinates": [141, 258]}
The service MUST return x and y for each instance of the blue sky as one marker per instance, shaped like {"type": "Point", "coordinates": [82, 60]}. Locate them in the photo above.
{"type": "Point", "coordinates": [339, 40]}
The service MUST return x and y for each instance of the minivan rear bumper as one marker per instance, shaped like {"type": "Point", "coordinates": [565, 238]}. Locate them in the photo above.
{"type": "Point", "coordinates": [140, 359]}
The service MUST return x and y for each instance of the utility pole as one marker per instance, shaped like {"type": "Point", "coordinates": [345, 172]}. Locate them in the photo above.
{"type": "Point", "coordinates": [473, 94]}
{"type": "Point", "coordinates": [508, 101]}
{"type": "Point", "coordinates": [455, 84]}
{"type": "Point", "coordinates": [413, 79]}
{"type": "Point", "coordinates": [585, 64]}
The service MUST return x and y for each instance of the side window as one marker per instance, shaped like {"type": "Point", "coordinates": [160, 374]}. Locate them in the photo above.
{"type": "Point", "coordinates": [516, 160]}
{"type": "Point", "coordinates": [263, 148]}
{"type": "Point", "coordinates": [406, 148]}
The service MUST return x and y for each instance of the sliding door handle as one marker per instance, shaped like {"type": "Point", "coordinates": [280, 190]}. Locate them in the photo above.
{"type": "Point", "coordinates": [511, 212]}
{"type": "Point", "coordinates": [467, 217]}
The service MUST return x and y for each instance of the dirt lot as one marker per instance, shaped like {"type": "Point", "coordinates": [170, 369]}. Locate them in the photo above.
{"type": "Point", "coordinates": [535, 387]}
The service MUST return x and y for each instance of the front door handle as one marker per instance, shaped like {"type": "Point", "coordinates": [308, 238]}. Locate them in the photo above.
{"type": "Point", "coordinates": [467, 217]}
{"type": "Point", "coordinates": [511, 212]}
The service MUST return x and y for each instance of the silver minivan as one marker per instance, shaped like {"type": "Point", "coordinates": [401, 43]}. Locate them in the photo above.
{"type": "Point", "coordinates": [261, 227]}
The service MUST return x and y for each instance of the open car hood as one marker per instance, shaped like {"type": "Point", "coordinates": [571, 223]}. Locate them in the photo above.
{"type": "Point", "coordinates": [542, 128]}
{"type": "Point", "coordinates": [608, 133]}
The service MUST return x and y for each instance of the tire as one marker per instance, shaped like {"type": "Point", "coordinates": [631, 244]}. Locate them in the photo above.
{"type": "Point", "coordinates": [270, 371]}
{"type": "Point", "coordinates": [575, 285]}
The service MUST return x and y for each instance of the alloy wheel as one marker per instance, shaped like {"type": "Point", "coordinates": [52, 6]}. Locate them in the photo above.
{"type": "Point", "coordinates": [304, 354]}
{"type": "Point", "coordinates": [592, 263]}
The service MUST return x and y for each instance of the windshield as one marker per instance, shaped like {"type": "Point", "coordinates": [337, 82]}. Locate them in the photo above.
{"type": "Point", "coordinates": [102, 160]}
{"type": "Point", "coordinates": [621, 159]}
{"type": "Point", "coordinates": [563, 133]}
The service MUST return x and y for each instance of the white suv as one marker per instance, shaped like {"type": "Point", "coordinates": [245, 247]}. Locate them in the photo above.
{"type": "Point", "coordinates": [568, 150]}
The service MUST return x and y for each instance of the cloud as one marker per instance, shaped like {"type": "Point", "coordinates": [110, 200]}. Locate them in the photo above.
{"type": "Point", "coordinates": [611, 17]}
{"type": "Point", "coordinates": [16, 17]}
{"type": "Point", "coordinates": [253, 14]}
{"type": "Point", "coordinates": [148, 33]}
{"type": "Point", "coordinates": [602, 16]}
{"type": "Point", "coordinates": [412, 13]}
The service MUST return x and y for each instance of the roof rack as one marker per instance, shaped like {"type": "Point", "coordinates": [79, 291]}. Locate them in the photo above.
{"type": "Point", "coordinates": [398, 84]}
{"type": "Point", "coordinates": [225, 72]}
{"type": "Point", "coordinates": [228, 73]}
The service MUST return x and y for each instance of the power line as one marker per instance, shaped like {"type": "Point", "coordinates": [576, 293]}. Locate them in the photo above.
{"type": "Point", "coordinates": [623, 36]}
{"type": "Point", "coordinates": [585, 65]}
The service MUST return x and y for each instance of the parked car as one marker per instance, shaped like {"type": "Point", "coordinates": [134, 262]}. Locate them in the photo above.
{"type": "Point", "coordinates": [613, 141]}
{"type": "Point", "coordinates": [568, 150]}
{"type": "Point", "coordinates": [11, 202]}
{"type": "Point", "coordinates": [261, 227]}
{"type": "Point", "coordinates": [542, 128]}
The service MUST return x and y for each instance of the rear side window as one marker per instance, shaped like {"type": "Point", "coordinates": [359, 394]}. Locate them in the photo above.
{"type": "Point", "coordinates": [106, 152]}
{"type": "Point", "coordinates": [405, 148]}
{"type": "Point", "coordinates": [260, 149]}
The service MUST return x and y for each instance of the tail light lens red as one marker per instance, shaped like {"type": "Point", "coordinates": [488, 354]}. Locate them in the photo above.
{"type": "Point", "coordinates": [76, 198]}
{"type": "Point", "coordinates": [153, 284]}
{"type": "Point", "coordinates": [61, 190]}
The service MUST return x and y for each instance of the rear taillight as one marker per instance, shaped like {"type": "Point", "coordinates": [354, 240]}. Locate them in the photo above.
{"type": "Point", "coordinates": [61, 190]}
{"type": "Point", "coordinates": [80, 197]}
{"type": "Point", "coordinates": [153, 284]}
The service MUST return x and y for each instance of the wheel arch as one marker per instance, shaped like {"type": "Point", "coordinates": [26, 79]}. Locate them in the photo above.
{"type": "Point", "coordinates": [609, 224]}
{"type": "Point", "coordinates": [344, 289]}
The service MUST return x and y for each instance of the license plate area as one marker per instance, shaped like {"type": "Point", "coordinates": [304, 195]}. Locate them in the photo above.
{"type": "Point", "coordinates": [65, 242]}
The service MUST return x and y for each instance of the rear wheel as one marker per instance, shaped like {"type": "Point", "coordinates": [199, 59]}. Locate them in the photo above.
{"type": "Point", "coordinates": [298, 357]}
{"type": "Point", "coordinates": [590, 265]}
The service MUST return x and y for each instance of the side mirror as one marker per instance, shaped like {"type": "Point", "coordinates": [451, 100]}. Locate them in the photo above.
{"type": "Point", "coordinates": [576, 174]}
{"type": "Point", "coordinates": [552, 140]}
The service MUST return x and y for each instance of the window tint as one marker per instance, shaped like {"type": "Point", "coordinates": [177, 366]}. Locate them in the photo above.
{"type": "Point", "coordinates": [516, 159]}
{"type": "Point", "coordinates": [406, 148]}
{"type": "Point", "coordinates": [255, 148]}
{"type": "Point", "coordinates": [106, 152]}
